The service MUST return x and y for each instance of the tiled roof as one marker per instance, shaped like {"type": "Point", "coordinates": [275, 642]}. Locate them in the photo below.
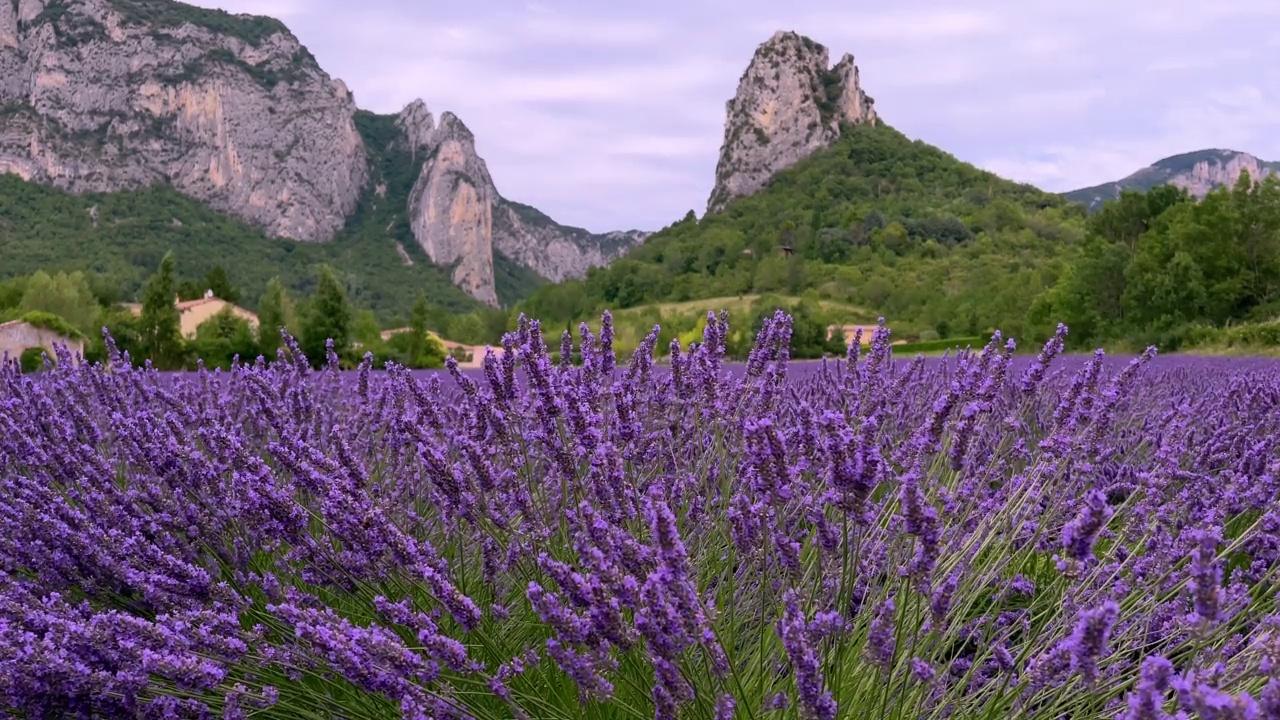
{"type": "Point", "coordinates": [188, 304]}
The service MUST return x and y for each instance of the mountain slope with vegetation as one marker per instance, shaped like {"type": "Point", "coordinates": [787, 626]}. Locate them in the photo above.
{"type": "Point", "coordinates": [123, 235]}
{"type": "Point", "coordinates": [876, 221]}
{"type": "Point", "coordinates": [233, 111]}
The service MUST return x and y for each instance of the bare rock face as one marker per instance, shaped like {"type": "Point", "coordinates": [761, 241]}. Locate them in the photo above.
{"type": "Point", "coordinates": [459, 218]}
{"type": "Point", "coordinates": [451, 209]}
{"type": "Point", "coordinates": [417, 125]}
{"type": "Point", "coordinates": [552, 250]}
{"type": "Point", "coordinates": [790, 103]}
{"type": "Point", "coordinates": [103, 95]}
{"type": "Point", "coordinates": [1211, 173]}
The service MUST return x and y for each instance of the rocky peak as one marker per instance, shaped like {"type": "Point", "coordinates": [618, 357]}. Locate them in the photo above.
{"type": "Point", "coordinates": [105, 95]}
{"type": "Point", "coordinates": [451, 209]}
{"type": "Point", "coordinates": [790, 102]}
{"type": "Point", "coordinates": [417, 124]}
{"type": "Point", "coordinates": [459, 218]}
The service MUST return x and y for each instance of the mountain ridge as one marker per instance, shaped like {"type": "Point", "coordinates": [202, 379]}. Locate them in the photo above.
{"type": "Point", "coordinates": [233, 111]}
{"type": "Point", "coordinates": [1197, 172]}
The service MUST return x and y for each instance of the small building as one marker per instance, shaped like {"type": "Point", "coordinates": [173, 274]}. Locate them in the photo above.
{"type": "Point", "coordinates": [193, 313]}
{"type": "Point", "coordinates": [868, 332]}
{"type": "Point", "coordinates": [19, 335]}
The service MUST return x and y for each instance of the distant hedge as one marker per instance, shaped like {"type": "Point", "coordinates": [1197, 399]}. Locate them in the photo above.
{"type": "Point", "coordinates": [940, 345]}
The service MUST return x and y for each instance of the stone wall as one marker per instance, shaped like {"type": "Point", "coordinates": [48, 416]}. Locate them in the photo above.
{"type": "Point", "coordinates": [18, 336]}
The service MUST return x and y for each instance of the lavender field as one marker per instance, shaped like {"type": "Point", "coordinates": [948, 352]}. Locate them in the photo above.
{"type": "Point", "coordinates": [980, 536]}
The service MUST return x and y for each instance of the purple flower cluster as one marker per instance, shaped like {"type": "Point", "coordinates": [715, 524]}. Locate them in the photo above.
{"type": "Point", "coordinates": [982, 535]}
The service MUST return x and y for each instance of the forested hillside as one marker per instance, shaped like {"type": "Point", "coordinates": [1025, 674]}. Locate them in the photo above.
{"type": "Point", "coordinates": [876, 221]}
{"type": "Point", "coordinates": [1160, 267]}
{"type": "Point", "coordinates": [942, 249]}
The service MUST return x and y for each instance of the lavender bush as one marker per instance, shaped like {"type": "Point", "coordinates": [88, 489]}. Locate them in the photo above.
{"type": "Point", "coordinates": [972, 537]}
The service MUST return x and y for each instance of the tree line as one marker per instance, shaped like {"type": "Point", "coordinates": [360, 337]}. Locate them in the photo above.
{"type": "Point", "coordinates": [87, 305]}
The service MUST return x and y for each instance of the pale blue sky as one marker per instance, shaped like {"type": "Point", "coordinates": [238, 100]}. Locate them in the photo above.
{"type": "Point", "coordinates": [609, 115]}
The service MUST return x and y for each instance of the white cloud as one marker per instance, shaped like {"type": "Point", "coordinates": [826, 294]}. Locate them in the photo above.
{"type": "Point", "coordinates": [902, 26]}
{"type": "Point", "coordinates": [658, 146]}
{"type": "Point", "coordinates": [1241, 118]}
{"type": "Point", "coordinates": [626, 84]}
{"type": "Point", "coordinates": [558, 28]}
{"type": "Point", "coordinates": [928, 26]}
{"type": "Point", "coordinates": [1032, 106]}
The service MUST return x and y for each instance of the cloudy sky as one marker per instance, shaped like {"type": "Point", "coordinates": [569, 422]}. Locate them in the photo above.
{"type": "Point", "coordinates": [609, 115]}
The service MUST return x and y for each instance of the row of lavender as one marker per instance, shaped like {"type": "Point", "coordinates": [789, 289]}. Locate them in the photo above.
{"type": "Point", "coordinates": [976, 537]}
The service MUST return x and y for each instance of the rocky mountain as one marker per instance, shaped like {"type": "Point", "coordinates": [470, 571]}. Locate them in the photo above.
{"type": "Point", "coordinates": [790, 103]}
{"type": "Point", "coordinates": [459, 218]}
{"type": "Point", "coordinates": [231, 110]}
{"type": "Point", "coordinates": [1197, 172]}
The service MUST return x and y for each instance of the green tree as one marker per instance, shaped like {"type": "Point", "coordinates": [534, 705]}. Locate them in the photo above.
{"type": "Point", "coordinates": [1088, 296]}
{"type": "Point", "coordinates": [221, 338]}
{"type": "Point", "coordinates": [366, 330]}
{"type": "Point", "coordinates": [217, 281]}
{"type": "Point", "coordinates": [467, 329]}
{"type": "Point", "coordinates": [160, 328]}
{"type": "Point", "coordinates": [275, 312]}
{"type": "Point", "coordinates": [418, 348]}
{"type": "Point", "coordinates": [419, 317]}
{"type": "Point", "coordinates": [65, 295]}
{"type": "Point", "coordinates": [32, 359]}
{"type": "Point", "coordinates": [328, 317]}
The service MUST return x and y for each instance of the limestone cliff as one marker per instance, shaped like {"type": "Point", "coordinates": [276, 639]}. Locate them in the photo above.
{"type": "Point", "coordinates": [451, 209]}
{"type": "Point", "coordinates": [101, 95]}
{"type": "Point", "coordinates": [1196, 172]}
{"type": "Point", "coordinates": [554, 251]}
{"type": "Point", "coordinates": [459, 218]}
{"type": "Point", "coordinates": [790, 102]}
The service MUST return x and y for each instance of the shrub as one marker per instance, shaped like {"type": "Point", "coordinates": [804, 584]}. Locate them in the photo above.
{"type": "Point", "coordinates": [32, 359]}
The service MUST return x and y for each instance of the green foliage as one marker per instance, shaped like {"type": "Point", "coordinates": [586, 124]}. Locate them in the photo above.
{"type": "Point", "coordinates": [418, 347]}
{"type": "Point", "coordinates": [1159, 268]}
{"type": "Point", "coordinates": [32, 359]}
{"type": "Point", "coordinates": [214, 281]}
{"type": "Point", "coordinates": [48, 229]}
{"type": "Point", "coordinates": [275, 312]}
{"type": "Point", "coordinates": [328, 317]}
{"type": "Point", "coordinates": [253, 29]}
{"type": "Point", "coordinates": [931, 346]}
{"type": "Point", "coordinates": [52, 323]}
{"type": "Point", "coordinates": [159, 327]}
{"type": "Point", "coordinates": [66, 296]}
{"type": "Point", "coordinates": [125, 330]}
{"type": "Point", "coordinates": [221, 338]}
